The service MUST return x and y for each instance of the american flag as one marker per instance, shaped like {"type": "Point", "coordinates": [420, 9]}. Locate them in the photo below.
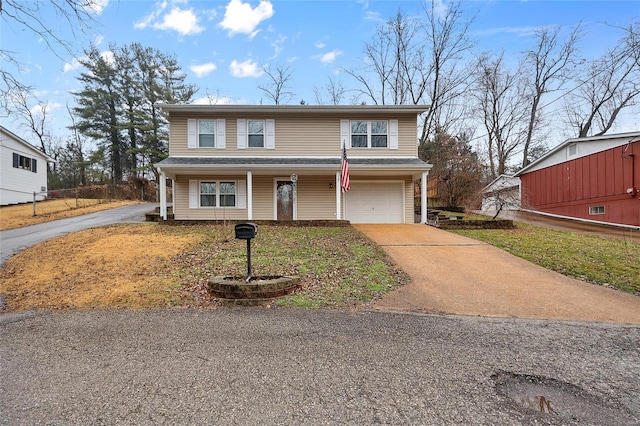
{"type": "Point", "coordinates": [344, 178]}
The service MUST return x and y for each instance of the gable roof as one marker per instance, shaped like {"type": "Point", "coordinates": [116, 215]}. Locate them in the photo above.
{"type": "Point", "coordinates": [501, 182]}
{"type": "Point", "coordinates": [26, 144]}
{"type": "Point", "coordinates": [297, 109]}
{"type": "Point", "coordinates": [600, 143]}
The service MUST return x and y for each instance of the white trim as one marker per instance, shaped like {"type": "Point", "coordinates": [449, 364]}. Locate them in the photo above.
{"type": "Point", "coordinates": [579, 219]}
{"type": "Point", "coordinates": [249, 195]}
{"type": "Point", "coordinates": [338, 196]}
{"type": "Point", "coordinates": [192, 133]}
{"type": "Point", "coordinates": [241, 194]}
{"type": "Point", "coordinates": [345, 134]}
{"type": "Point", "coordinates": [242, 133]}
{"type": "Point", "coordinates": [163, 196]}
{"type": "Point", "coordinates": [393, 134]}
{"type": "Point", "coordinates": [194, 193]}
{"type": "Point", "coordinates": [270, 134]}
{"type": "Point", "coordinates": [275, 197]}
{"type": "Point", "coordinates": [423, 198]}
{"type": "Point", "coordinates": [221, 134]}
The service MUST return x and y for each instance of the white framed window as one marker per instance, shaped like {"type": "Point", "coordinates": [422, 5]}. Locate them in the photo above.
{"type": "Point", "coordinates": [255, 133]}
{"type": "Point", "coordinates": [227, 194]}
{"type": "Point", "coordinates": [371, 133]}
{"type": "Point", "coordinates": [218, 194]}
{"type": "Point", "coordinates": [25, 163]}
{"type": "Point", "coordinates": [206, 133]}
{"type": "Point", "coordinates": [208, 194]}
{"type": "Point", "coordinates": [596, 210]}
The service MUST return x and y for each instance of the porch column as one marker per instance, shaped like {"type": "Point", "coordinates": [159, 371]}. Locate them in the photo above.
{"type": "Point", "coordinates": [249, 195]}
{"type": "Point", "coordinates": [338, 192]}
{"type": "Point", "coordinates": [163, 195]}
{"type": "Point", "coordinates": [423, 198]}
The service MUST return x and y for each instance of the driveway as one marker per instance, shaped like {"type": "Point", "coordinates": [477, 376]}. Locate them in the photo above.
{"type": "Point", "coordinates": [457, 275]}
{"type": "Point", "coordinates": [16, 240]}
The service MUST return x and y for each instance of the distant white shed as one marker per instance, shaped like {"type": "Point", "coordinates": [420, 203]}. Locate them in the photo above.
{"type": "Point", "coordinates": [502, 194]}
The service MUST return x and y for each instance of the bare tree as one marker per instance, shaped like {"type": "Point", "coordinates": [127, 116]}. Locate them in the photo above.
{"type": "Point", "coordinates": [609, 84]}
{"type": "Point", "coordinates": [419, 61]}
{"type": "Point", "coordinates": [278, 89]}
{"type": "Point", "coordinates": [34, 117]}
{"type": "Point", "coordinates": [29, 16]}
{"type": "Point", "coordinates": [335, 92]}
{"type": "Point", "coordinates": [503, 109]}
{"type": "Point", "coordinates": [549, 65]}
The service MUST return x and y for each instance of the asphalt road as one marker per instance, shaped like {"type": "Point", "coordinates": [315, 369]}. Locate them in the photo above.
{"type": "Point", "coordinates": [284, 366]}
{"type": "Point", "coordinates": [15, 240]}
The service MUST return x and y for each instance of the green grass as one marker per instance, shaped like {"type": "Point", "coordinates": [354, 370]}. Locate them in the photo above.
{"type": "Point", "coordinates": [604, 261]}
{"type": "Point", "coordinates": [338, 266]}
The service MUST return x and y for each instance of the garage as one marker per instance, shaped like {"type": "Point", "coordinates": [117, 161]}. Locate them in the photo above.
{"type": "Point", "coordinates": [375, 202]}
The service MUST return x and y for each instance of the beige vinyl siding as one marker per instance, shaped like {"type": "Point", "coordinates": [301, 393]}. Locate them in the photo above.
{"type": "Point", "coordinates": [263, 197]}
{"type": "Point", "coordinates": [316, 200]}
{"type": "Point", "coordinates": [302, 135]}
{"type": "Point", "coordinates": [181, 202]}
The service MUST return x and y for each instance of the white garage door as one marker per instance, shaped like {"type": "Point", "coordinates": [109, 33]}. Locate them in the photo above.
{"type": "Point", "coordinates": [375, 202]}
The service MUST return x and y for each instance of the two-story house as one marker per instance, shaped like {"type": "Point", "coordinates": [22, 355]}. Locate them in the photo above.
{"type": "Point", "coordinates": [255, 162]}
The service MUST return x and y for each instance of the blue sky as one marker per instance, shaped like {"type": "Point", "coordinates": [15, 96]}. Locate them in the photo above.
{"type": "Point", "coordinates": [223, 46]}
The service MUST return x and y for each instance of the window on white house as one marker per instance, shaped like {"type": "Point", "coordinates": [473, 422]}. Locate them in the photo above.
{"type": "Point", "coordinates": [207, 194]}
{"type": "Point", "coordinates": [369, 134]}
{"type": "Point", "coordinates": [255, 132]}
{"type": "Point", "coordinates": [596, 210]}
{"type": "Point", "coordinates": [227, 194]}
{"type": "Point", "coordinates": [25, 163]}
{"type": "Point", "coordinates": [206, 133]}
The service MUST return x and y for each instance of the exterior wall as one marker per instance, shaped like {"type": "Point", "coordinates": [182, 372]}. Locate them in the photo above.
{"type": "Point", "coordinates": [600, 179]}
{"type": "Point", "coordinates": [315, 198]}
{"type": "Point", "coordinates": [18, 185]}
{"type": "Point", "coordinates": [295, 135]}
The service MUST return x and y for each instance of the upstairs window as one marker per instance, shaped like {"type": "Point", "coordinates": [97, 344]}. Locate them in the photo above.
{"type": "Point", "coordinates": [255, 131]}
{"type": "Point", "coordinates": [206, 133]}
{"type": "Point", "coordinates": [369, 134]}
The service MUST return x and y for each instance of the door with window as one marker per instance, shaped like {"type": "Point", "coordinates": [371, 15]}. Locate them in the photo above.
{"type": "Point", "coordinates": [284, 200]}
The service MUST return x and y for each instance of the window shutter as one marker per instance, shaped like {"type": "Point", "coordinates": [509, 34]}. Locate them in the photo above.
{"type": "Point", "coordinates": [271, 134]}
{"type": "Point", "coordinates": [344, 134]}
{"type": "Point", "coordinates": [221, 132]}
{"type": "Point", "coordinates": [34, 164]}
{"type": "Point", "coordinates": [241, 194]}
{"type": "Point", "coordinates": [242, 133]}
{"type": "Point", "coordinates": [191, 133]}
{"type": "Point", "coordinates": [194, 193]}
{"type": "Point", "coordinates": [16, 160]}
{"type": "Point", "coordinates": [393, 134]}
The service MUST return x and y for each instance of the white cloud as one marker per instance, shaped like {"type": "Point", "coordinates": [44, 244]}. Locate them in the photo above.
{"type": "Point", "coordinates": [243, 19]}
{"type": "Point", "coordinates": [329, 57]}
{"type": "Point", "coordinates": [108, 57]}
{"type": "Point", "coordinates": [203, 69]}
{"type": "Point", "coordinates": [372, 16]}
{"type": "Point", "coordinates": [99, 40]}
{"type": "Point", "coordinates": [278, 45]}
{"type": "Point", "coordinates": [49, 107]}
{"type": "Point", "coordinates": [183, 21]}
{"type": "Point", "coordinates": [95, 6]}
{"type": "Point", "coordinates": [216, 100]}
{"type": "Point", "coordinates": [518, 31]}
{"type": "Point", "coordinates": [74, 65]}
{"type": "Point", "coordinates": [247, 68]}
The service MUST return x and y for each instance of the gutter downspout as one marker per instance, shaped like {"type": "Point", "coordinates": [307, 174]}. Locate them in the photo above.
{"type": "Point", "coordinates": [338, 203]}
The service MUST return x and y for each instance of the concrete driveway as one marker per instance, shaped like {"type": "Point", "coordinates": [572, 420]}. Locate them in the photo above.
{"type": "Point", "coordinates": [457, 275]}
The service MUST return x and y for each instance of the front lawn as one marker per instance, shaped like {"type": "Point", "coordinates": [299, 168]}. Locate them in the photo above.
{"type": "Point", "coordinates": [605, 261]}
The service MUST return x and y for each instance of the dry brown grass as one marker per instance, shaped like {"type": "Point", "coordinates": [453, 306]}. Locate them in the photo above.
{"type": "Point", "coordinates": [119, 266]}
{"type": "Point", "coordinates": [17, 216]}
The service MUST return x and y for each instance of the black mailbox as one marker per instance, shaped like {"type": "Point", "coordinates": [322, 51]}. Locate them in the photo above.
{"type": "Point", "coordinates": [246, 231]}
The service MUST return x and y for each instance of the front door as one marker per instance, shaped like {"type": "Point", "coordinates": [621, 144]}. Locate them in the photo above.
{"type": "Point", "coordinates": [284, 200]}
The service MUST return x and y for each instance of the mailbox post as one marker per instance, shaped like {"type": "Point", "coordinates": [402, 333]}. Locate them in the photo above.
{"type": "Point", "coordinates": [247, 231]}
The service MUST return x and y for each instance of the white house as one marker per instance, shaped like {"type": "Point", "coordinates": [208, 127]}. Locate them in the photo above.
{"type": "Point", "coordinates": [502, 194]}
{"type": "Point", "coordinates": [23, 169]}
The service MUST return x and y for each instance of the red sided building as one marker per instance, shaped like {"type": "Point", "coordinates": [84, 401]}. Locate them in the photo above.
{"type": "Point", "coordinates": [594, 178]}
